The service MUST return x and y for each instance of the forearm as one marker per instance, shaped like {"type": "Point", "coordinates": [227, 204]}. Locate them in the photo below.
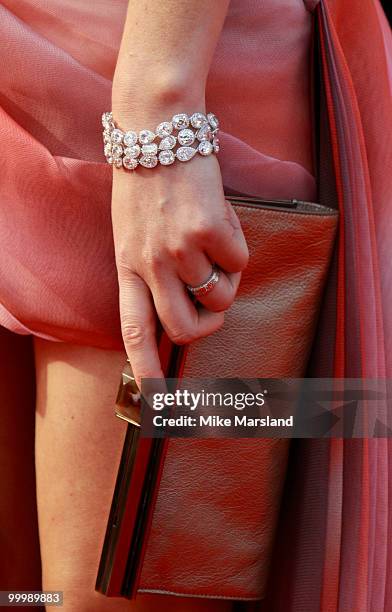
{"type": "Point", "coordinates": [170, 224]}
{"type": "Point", "coordinates": [165, 55]}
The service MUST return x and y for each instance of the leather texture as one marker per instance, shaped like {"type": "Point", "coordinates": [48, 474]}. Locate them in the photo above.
{"type": "Point", "coordinates": [214, 522]}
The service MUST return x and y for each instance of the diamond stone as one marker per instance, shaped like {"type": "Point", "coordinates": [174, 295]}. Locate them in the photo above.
{"type": "Point", "coordinates": [213, 120]}
{"type": "Point", "coordinates": [180, 121]}
{"type": "Point", "coordinates": [117, 150]}
{"type": "Point", "coordinates": [166, 157]}
{"type": "Point", "coordinates": [150, 149]}
{"type": "Point", "coordinates": [198, 119]}
{"type": "Point", "coordinates": [146, 136]}
{"type": "Point", "coordinates": [216, 144]}
{"type": "Point", "coordinates": [205, 147]}
{"type": "Point", "coordinates": [130, 138]}
{"type": "Point", "coordinates": [117, 136]}
{"type": "Point", "coordinates": [129, 163]}
{"type": "Point", "coordinates": [117, 161]}
{"type": "Point", "coordinates": [106, 134]}
{"type": "Point", "coordinates": [107, 149]}
{"type": "Point", "coordinates": [164, 129]}
{"type": "Point", "coordinates": [185, 153]}
{"type": "Point", "coordinates": [107, 119]}
{"type": "Point", "coordinates": [149, 161]}
{"type": "Point", "coordinates": [204, 133]}
{"type": "Point", "coordinates": [109, 159]}
{"type": "Point", "coordinates": [186, 137]}
{"type": "Point", "coordinates": [168, 143]}
{"type": "Point", "coordinates": [132, 151]}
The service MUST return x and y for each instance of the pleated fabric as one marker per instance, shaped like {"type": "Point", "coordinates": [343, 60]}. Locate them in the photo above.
{"type": "Point", "coordinates": [333, 550]}
{"type": "Point", "coordinates": [57, 271]}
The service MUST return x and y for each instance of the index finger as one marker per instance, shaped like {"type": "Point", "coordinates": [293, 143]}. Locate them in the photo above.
{"type": "Point", "coordinates": [138, 326]}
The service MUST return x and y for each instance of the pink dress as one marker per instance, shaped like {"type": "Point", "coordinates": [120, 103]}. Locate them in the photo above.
{"type": "Point", "coordinates": [58, 278]}
{"type": "Point", "coordinates": [57, 270]}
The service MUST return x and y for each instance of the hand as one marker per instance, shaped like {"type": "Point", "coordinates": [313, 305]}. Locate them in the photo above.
{"type": "Point", "coordinates": [169, 225]}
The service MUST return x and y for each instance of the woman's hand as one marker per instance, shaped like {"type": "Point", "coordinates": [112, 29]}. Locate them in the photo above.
{"type": "Point", "coordinates": [170, 224]}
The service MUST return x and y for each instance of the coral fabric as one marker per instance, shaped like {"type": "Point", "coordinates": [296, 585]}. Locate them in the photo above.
{"type": "Point", "coordinates": [57, 273]}
{"type": "Point", "coordinates": [334, 547]}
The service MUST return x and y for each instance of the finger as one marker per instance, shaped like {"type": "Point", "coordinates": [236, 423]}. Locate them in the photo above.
{"type": "Point", "coordinates": [138, 326]}
{"type": "Point", "coordinates": [191, 265]}
{"type": "Point", "coordinates": [195, 268]}
{"type": "Point", "coordinates": [182, 320]}
{"type": "Point", "coordinates": [222, 295]}
{"type": "Point", "coordinates": [228, 247]}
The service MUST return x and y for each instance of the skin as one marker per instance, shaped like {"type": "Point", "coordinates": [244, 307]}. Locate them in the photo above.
{"type": "Point", "coordinates": [169, 224]}
{"type": "Point", "coordinates": [78, 448]}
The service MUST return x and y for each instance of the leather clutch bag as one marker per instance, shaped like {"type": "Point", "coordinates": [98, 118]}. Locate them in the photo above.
{"type": "Point", "coordinates": [198, 516]}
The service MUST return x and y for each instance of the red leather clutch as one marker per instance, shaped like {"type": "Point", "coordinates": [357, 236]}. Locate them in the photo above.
{"type": "Point", "coordinates": [215, 509]}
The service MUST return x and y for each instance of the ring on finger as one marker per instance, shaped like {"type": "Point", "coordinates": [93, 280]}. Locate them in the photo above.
{"type": "Point", "coordinates": [208, 285]}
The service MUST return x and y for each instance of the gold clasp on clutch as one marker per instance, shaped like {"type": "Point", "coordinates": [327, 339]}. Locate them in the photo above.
{"type": "Point", "coordinates": [128, 397]}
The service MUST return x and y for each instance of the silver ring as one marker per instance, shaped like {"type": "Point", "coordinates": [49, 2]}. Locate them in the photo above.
{"type": "Point", "coordinates": [208, 285]}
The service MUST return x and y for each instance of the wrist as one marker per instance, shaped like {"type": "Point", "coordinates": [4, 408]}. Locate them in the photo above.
{"type": "Point", "coordinates": [144, 98]}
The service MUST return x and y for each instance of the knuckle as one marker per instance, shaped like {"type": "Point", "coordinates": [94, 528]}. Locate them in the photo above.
{"type": "Point", "coordinates": [122, 261]}
{"type": "Point", "coordinates": [181, 336]}
{"type": "Point", "coordinates": [203, 229]}
{"type": "Point", "coordinates": [134, 334]}
{"type": "Point", "coordinates": [152, 260]}
{"type": "Point", "coordinates": [179, 251]}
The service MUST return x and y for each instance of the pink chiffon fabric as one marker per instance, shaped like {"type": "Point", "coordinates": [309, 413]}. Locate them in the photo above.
{"type": "Point", "coordinates": [57, 270]}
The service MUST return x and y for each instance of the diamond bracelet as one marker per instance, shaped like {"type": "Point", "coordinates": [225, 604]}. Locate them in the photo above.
{"type": "Point", "coordinates": [176, 137]}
